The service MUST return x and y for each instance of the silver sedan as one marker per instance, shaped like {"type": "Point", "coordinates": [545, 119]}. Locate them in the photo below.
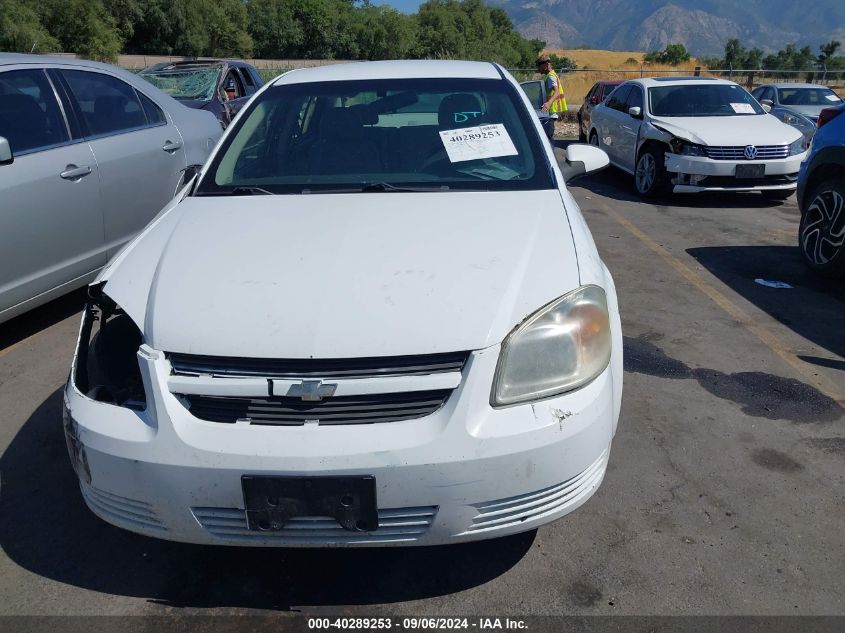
{"type": "Point", "coordinates": [89, 154]}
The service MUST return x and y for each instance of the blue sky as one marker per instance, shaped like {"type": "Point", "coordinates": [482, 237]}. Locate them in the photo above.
{"type": "Point", "coordinates": [405, 6]}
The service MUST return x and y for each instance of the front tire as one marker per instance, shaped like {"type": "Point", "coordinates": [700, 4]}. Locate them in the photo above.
{"type": "Point", "coordinates": [650, 177]}
{"type": "Point", "coordinates": [821, 233]}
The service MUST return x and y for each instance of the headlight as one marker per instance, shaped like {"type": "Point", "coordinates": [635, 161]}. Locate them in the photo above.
{"type": "Point", "coordinates": [561, 347]}
{"type": "Point", "coordinates": [797, 146]}
{"type": "Point", "coordinates": [687, 148]}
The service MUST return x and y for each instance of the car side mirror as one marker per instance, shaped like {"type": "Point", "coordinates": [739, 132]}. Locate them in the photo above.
{"type": "Point", "coordinates": [6, 156]}
{"type": "Point", "coordinates": [766, 106]}
{"type": "Point", "coordinates": [583, 159]}
{"type": "Point", "coordinates": [635, 112]}
{"type": "Point", "coordinates": [594, 100]}
{"type": "Point", "coordinates": [767, 102]}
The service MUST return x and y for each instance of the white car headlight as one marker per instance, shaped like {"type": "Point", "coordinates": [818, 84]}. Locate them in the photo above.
{"type": "Point", "coordinates": [797, 146]}
{"type": "Point", "coordinates": [561, 347]}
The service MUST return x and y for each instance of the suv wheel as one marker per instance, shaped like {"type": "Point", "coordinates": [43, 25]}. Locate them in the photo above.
{"type": "Point", "coordinates": [821, 234]}
{"type": "Point", "coordinates": [650, 176]}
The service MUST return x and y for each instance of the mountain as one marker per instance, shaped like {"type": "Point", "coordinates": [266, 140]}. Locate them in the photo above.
{"type": "Point", "coordinates": [702, 26]}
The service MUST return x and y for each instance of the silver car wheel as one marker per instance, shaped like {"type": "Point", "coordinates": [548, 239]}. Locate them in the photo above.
{"type": "Point", "coordinates": [823, 233]}
{"type": "Point", "coordinates": [646, 173]}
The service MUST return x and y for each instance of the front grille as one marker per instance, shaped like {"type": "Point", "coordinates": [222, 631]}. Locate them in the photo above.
{"type": "Point", "coordinates": [503, 513]}
{"type": "Point", "coordinates": [194, 365]}
{"type": "Point", "coordinates": [394, 525]}
{"type": "Point", "coordinates": [737, 152]}
{"type": "Point", "coordinates": [282, 411]}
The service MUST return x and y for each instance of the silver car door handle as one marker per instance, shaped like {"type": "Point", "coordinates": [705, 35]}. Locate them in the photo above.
{"type": "Point", "coordinates": [72, 172]}
{"type": "Point", "coordinates": [170, 146]}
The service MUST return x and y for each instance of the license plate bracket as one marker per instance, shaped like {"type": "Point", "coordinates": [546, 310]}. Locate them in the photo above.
{"type": "Point", "coordinates": [271, 502]}
{"type": "Point", "coordinates": [748, 172]}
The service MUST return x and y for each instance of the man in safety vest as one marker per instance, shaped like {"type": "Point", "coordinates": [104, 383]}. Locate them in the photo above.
{"type": "Point", "coordinates": [555, 101]}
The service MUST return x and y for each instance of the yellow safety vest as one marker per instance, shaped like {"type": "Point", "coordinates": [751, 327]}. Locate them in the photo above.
{"type": "Point", "coordinates": [560, 104]}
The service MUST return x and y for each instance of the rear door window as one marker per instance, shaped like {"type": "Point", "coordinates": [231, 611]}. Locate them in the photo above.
{"type": "Point", "coordinates": [108, 105]}
{"type": "Point", "coordinates": [30, 116]}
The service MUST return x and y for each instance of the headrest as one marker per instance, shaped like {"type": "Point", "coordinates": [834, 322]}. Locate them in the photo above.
{"type": "Point", "coordinates": [345, 124]}
{"type": "Point", "coordinates": [459, 110]}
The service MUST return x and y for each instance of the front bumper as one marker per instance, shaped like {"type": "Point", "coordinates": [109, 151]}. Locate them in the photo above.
{"type": "Point", "coordinates": [694, 174]}
{"type": "Point", "coordinates": [466, 472]}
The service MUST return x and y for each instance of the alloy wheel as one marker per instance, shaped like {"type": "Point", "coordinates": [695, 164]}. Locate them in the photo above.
{"type": "Point", "coordinates": [646, 173]}
{"type": "Point", "coordinates": [823, 231]}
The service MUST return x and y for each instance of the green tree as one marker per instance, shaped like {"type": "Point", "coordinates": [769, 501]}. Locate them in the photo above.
{"type": "Point", "coordinates": [82, 26]}
{"type": "Point", "coordinates": [828, 50]}
{"type": "Point", "coordinates": [673, 54]}
{"type": "Point", "coordinates": [381, 32]}
{"type": "Point", "coordinates": [274, 28]}
{"type": "Point", "coordinates": [21, 29]}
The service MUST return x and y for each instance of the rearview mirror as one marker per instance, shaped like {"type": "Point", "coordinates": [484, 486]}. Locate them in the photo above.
{"type": "Point", "coordinates": [635, 112]}
{"type": "Point", "coordinates": [6, 157]}
{"type": "Point", "coordinates": [583, 159]}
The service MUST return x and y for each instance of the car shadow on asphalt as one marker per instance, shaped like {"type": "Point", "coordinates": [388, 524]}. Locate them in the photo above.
{"type": "Point", "coordinates": [813, 307]}
{"type": "Point", "coordinates": [42, 317]}
{"type": "Point", "coordinates": [615, 184]}
{"type": "Point", "coordinates": [48, 530]}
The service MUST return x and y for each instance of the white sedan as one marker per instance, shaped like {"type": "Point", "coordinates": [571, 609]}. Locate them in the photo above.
{"type": "Point", "coordinates": [377, 317]}
{"type": "Point", "coordinates": [696, 134]}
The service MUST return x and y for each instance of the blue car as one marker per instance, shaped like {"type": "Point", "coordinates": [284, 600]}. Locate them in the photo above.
{"type": "Point", "coordinates": [821, 196]}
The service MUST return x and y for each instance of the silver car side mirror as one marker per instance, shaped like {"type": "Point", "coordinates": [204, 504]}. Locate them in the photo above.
{"type": "Point", "coordinates": [6, 157]}
{"type": "Point", "coordinates": [766, 107]}
{"type": "Point", "coordinates": [635, 112]}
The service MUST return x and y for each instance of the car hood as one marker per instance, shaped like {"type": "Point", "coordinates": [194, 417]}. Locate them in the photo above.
{"type": "Point", "coordinates": [811, 112]}
{"type": "Point", "coordinates": [344, 275]}
{"type": "Point", "coordinates": [763, 129]}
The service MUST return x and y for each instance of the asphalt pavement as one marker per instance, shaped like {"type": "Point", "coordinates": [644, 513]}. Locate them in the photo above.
{"type": "Point", "coordinates": [724, 494]}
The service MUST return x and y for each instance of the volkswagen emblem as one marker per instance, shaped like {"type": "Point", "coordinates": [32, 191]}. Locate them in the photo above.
{"type": "Point", "coordinates": [750, 152]}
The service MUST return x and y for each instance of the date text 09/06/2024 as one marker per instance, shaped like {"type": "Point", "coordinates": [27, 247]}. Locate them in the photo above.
{"type": "Point", "coordinates": [416, 623]}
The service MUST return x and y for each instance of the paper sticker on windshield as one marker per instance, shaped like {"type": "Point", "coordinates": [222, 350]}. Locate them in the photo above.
{"type": "Point", "coordinates": [472, 143]}
{"type": "Point", "coordinates": [743, 108]}
{"type": "Point", "coordinates": [832, 98]}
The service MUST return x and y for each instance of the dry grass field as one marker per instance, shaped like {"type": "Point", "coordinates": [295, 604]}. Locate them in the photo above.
{"type": "Point", "coordinates": [595, 65]}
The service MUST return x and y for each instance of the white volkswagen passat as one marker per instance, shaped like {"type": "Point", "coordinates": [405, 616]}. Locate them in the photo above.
{"type": "Point", "coordinates": [692, 134]}
{"type": "Point", "coordinates": [376, 317]}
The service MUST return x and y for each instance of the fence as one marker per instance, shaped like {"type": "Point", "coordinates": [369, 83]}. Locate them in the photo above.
{"type": "Point", "coordinates": [577, 82]}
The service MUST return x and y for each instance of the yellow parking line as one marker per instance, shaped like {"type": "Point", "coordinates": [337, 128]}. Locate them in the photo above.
{"type": "Point", "coordinates": [763, 334]}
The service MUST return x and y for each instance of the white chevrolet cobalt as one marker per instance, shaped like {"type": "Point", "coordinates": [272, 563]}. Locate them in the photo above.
{"type": "Point", "coordinates": [376, 317]}
{"type": "Point", "coordinates": [691, 134]}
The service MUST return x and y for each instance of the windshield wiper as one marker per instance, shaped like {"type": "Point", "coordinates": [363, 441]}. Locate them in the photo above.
{"type": "Point", "coordinates": [377, 187]}
{"type": "Point", "coordinates": [238, 191]}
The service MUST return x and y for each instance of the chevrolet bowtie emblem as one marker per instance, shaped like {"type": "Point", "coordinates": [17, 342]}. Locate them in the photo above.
{"type": "Point", "coordinates": [312, 390]}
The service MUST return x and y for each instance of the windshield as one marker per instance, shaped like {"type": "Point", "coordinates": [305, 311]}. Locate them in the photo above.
{"type": "Point", "coordinates": [822, 97]}
{"type": "Point", "coordinates": [381, 135]}
{"type": "Point", "coordinates": [196, 84]}
{"type": "Point", "coordinates": [702, 100]}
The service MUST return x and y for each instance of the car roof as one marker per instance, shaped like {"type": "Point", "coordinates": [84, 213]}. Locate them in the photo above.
{"type": "Point", "coordinates": [7, 59]}
{"type": "Point", "coordinates": [403, 69]}
{"type": "Point", "coordinates": [792, 85]}
{"type": "Point", "coordinates": [680, 81]}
